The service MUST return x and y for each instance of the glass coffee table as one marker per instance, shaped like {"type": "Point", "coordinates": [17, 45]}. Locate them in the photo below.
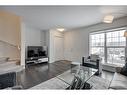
{"type": "Point", "coordinates": [77, 77]}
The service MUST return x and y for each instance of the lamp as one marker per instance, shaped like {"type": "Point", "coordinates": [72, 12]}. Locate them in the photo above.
{"type": "Point", "coordinates": [108, 19]}
{"type": "Point", "coordinates": [125, 34]}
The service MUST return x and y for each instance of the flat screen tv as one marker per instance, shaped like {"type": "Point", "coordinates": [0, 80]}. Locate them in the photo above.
{"type": "Point", "coordinates": [35, 51]}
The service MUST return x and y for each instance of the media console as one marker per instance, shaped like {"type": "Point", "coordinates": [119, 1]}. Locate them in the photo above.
{"type": "Point", "coordinates": [36, 60]}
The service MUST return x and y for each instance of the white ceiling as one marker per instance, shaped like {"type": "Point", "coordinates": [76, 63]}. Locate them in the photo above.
{"type": "Point", "coordinates": [48, 17]}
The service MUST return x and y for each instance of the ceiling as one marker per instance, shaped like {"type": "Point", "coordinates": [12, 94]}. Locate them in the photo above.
{"type": "Point", "coordinates": [68, 17]}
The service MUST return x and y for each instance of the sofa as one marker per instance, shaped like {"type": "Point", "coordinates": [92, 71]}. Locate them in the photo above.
{"type": "Point", "coordinates": [119, 81]}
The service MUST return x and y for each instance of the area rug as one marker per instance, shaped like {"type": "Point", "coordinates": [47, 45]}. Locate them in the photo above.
{"type": "Point", "coordinates": [99, 83]}
{"type": "Point", "coordinates": [53, 83]}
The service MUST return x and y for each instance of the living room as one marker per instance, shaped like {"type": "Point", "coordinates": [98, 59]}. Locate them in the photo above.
{"type": "Point", "coordinates": [63, 37]}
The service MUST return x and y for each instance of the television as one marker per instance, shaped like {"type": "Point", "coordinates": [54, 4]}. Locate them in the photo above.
{"type": "Point", "coordinates": [35, 51]}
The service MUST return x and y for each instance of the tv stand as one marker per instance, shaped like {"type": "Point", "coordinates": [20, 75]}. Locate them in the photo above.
{"type": "Point", "coordinates": [36, 60]}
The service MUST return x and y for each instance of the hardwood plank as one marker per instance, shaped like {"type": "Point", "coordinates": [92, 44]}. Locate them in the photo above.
{"type": "Point", "coordinates": [38, 73]}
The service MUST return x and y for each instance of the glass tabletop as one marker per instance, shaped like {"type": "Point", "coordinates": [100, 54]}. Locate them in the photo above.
{"type": "Point", "coordinates": [83, 71]}
{"type": "Point", "coordinates": [77, 76]}
{"type": "Point", "coordinates": [81, 75]}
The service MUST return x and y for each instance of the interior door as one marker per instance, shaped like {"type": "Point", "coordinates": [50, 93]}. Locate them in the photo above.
{"type": "Point", "coordinates": [59, 48]}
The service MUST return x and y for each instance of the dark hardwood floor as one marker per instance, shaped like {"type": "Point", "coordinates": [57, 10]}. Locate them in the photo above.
{"type": "Point", "coordinates": [35, 74]}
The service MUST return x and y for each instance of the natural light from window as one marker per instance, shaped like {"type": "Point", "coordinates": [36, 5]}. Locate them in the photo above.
{"type": "Point", "coordinates": [110, 46]}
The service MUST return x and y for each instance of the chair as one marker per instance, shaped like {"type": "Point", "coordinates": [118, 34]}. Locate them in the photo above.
{"type": "Point", "coordinates": [93, 61]}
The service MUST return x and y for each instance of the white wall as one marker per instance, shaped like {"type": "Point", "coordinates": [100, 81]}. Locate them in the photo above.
{"type": "Point", "coordinates": [30, 36]}
{"type": "Point", "coordinates": [34, 37]}
{"type": "Point", "coordinates": [77, 40]}
{"type": "Point", "coordinates": [76, 45]}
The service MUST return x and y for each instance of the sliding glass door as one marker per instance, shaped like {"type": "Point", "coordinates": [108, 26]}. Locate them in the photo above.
{"type": "Point", "coordinates": [110, 45]}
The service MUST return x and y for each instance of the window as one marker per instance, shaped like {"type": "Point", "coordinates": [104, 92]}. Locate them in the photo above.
{"type": "Point", "coordinates": [109, 45]}
{"type": "Point", "coordinates": [116, 38]}
{"type": "Point", "coordinates": [97, 44]}
{"type": "Point", "coordinates": [115, 55]}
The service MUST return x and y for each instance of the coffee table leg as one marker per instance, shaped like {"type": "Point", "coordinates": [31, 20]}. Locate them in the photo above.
{"type": "Point", "coordinates": [86, 86]}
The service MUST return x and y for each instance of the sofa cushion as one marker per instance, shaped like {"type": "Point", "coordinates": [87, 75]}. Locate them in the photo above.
{"type": "Point", "coordinates": [119, 81]}
{"type": "Point", "coordinates": [94, 57]}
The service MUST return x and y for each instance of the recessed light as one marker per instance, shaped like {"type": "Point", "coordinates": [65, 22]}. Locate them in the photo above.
{"type": "Point", "coordinates": [108, 19]}
{"type": "Point", "coordinates": [60, 29]}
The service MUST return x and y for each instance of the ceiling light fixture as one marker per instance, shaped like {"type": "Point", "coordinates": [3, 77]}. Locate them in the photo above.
{"type": "Point", "coordinates": [61, 29]}
{"type": "Point", "coordinates": [108, 19]}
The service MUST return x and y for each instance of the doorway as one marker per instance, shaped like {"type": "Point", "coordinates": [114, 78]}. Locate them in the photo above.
{"type": "Point", "coordinates": [59, 48]}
